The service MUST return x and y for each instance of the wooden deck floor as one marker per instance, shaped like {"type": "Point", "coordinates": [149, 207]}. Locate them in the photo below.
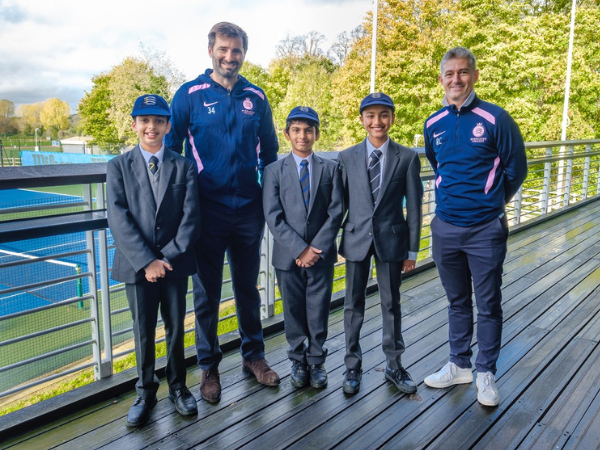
{"type": "Point", "coordinates": [549, 373]}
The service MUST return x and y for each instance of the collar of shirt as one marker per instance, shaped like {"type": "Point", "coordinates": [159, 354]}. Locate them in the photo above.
{"type": "Point", "coordinates": [299, 159]}
{"type": "Point", "coordinates": [467, 102]}
{"type": "Point", "coordinates": [159, 154]}
{"type": "Point", "coordinates": [371, 147]}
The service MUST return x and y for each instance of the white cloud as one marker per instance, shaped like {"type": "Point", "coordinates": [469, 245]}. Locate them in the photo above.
{"type": "Point", "coordinates": [53, 48]}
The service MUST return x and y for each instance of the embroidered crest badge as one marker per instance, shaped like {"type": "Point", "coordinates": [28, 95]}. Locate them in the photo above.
{"type": "Point", "coordinates": [478, 131]}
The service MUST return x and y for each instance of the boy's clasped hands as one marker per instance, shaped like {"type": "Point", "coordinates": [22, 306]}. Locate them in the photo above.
{"type": "Point", "coordinates": [157, 269]}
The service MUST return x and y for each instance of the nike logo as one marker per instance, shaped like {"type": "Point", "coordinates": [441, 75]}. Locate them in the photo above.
{"type": "Point", "coordinates": [438, 134]}
{"type": "Point", "coordinates": [210, 104]}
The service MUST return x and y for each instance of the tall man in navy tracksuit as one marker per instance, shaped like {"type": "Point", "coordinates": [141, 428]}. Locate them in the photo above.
{"type": "Point", "coordinates": [477, 153]}
{"type": "Point", "coordinates": [227, 126]}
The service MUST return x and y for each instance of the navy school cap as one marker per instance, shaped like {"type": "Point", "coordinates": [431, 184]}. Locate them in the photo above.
{"type": "Point", "coordinates": [303, 112]}
{"type": "Point", "coordinates": [377, 98]}
{"type": "Point", "coordinates": [150, 105]}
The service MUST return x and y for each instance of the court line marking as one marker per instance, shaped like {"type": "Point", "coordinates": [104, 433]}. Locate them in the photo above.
{"type": "Point", "coordinates": [26, 256]}
{"type": "Point", "coordinates": [50, 193]}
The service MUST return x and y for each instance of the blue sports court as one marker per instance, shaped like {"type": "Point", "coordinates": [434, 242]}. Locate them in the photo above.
{"type": "Point", "coordinates": [42, 271]}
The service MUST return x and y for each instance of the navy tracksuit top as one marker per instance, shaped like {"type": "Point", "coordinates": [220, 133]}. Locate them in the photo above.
{"type": "Point", "coordinates": [478, 156]}
{"type": "Point", "coordinates": [229, 135]}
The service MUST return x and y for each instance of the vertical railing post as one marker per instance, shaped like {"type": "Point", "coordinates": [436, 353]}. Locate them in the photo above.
{"type": "Point", "coordinates": [106, 366]}
{"type": "Point", "coordinates": [267, 277]}
{"type": "Point", "coordinates": [598, 179]}
{"type": "Point", "coordinates": [586, 171]}
{"type": "Point", "coordinates": [92, 287]}
{"type": "Point", "coordinates": [567, 195]}
{"type": "Point", "coordinates": [546, 207]}
{"type": "Point", "coordinates": [518, 204]}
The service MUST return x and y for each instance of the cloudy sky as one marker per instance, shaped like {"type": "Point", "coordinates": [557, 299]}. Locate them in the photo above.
{"type": "Point", "coordinates": [52, 48]}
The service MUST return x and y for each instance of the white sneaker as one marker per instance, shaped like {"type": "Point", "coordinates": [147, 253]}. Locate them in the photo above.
{"type": "Point", "coordinates": [449, 375]}
{"type": "Point", "coordinates": [487, 392]}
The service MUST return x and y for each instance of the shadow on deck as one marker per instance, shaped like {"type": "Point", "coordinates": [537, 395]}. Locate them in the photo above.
{"type": "Point", "coordinates": [548, 373]}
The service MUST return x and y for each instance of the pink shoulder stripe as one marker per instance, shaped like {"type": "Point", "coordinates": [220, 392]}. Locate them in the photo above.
{"type": "Point", "coordinates": [195, 151]}
{"type": "Point", "coordinates": [197, 87]}
{"type": "Point", "coordinates": [256, 91]}
{"type": "Point", "coordinates": [486, 115]}
{"type": "Point", "coordinates": [492, 175]}
{"type": "Point", "coordinates": [436, 118]}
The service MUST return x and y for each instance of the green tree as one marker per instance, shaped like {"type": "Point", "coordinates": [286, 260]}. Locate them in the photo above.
{"type": "Point", "coordinates": [255, 74]}
{"type": "Point", "coordinates": [302, 76]}
{"type": "Point", "coordinates": [127, 81]}
{"type": "Point", "coordinates": [310, 85]}
{"type": "Point", "coordinates": [521, 48]}
{"type": "Point", "coordinates": [54, 115]}
{"type": "Point", "coordinates": [106, 109]}
{"type": "Point", "coordinates": [93, 109]}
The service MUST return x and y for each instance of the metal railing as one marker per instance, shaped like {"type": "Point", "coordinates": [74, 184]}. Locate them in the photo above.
{"type": "Point", "coordinates": [60, 312]}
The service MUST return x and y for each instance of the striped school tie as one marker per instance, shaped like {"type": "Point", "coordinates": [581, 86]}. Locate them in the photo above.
{"type": "Point", "coordinates": [305, 182]}
{"type": "Point", "coordinates": [375, 173]}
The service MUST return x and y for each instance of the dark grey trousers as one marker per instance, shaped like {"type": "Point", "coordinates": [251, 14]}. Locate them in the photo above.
{"type": "Point", "coordinates": [389, 279]}
{"type": "Point", "coordinates": [306, 296]}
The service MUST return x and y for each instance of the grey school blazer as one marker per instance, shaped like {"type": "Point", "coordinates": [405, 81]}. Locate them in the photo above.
{"type": "Point", "coordinates": [384, 224]}
{"type": "Point", "coordinates": [145, 229]}
{"type": "Point", "coordinates": [293, 227]}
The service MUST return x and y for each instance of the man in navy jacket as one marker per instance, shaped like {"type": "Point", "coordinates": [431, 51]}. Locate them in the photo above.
{"type": "Point", "coordinates": [227, 125]}
{"type": "Point", "coordinates": [477, 153]}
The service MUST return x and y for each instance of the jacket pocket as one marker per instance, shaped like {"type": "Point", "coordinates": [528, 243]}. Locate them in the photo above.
{"type": "Point", "coordinates": [399, 228]}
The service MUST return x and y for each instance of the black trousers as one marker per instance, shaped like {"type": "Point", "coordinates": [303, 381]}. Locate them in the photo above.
{"type": "Point", "coordinates": [145, 299]}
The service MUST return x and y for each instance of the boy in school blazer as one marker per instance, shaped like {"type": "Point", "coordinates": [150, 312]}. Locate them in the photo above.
{"type": "Point", "coordinates": [378, 176]}
{"type": "Point", "coordinates": [153, 214]}
{"type": "Point", "coordinates": [302, 201]}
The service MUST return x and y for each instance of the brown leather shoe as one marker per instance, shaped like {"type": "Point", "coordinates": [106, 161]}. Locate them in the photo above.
{"type": "Point", "coordinates": [210, 387]}
{"type": "Point", "coordinates": [261, 370]}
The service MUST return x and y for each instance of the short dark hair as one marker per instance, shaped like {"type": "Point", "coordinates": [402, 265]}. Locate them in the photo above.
{"type": "Point", "coordinates": [459, 52]}
{"type": "Point", "coordinates": [309, 122]}
{"type": "Point", "coordinates": [227, 29]}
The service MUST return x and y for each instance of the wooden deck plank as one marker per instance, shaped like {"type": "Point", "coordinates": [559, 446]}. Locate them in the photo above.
{"type": "Point", "coordinates": [531, 424]}
{"type": "Point", "coordinates": [506, 354]}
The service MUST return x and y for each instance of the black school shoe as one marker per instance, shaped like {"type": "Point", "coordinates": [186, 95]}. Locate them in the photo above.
{"type": "Point", "coordinates": [352, 379]}
{"type": "Point", "coordinates": [299, 375]}
{"type": "Point", "coordinates": [318, 376]}
{"type": "Point", "coordinates": [140, 411]}
{"type": "Point", "coordinates": [184, 401]}
{"type": "Point", "coordinates": [402, 379]}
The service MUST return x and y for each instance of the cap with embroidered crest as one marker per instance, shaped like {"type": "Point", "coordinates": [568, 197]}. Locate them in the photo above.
{"type": "Point", "coordinates": [377, 98]}
{"type": "Point", "coordinates": [303, 112]}
{"type": "Point", "coordinates": [150, 105]}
